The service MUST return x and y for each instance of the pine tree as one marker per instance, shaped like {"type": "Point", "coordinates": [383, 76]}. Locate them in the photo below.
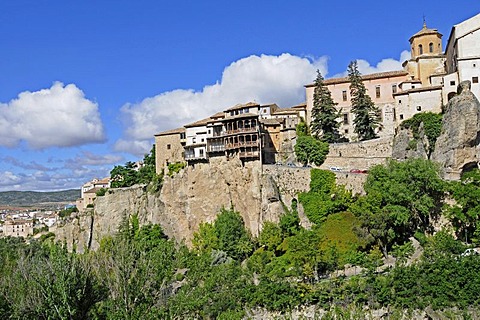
{"type": "Point", "coordinates": [324, 124]}
{"type": "Point", "coordinates": [366, 113]}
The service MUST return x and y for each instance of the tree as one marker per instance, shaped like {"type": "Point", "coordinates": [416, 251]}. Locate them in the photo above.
{"type": "Point", "coordinates": [401, 197]}
{"type": "Point", "coordinates": [231, 234]}
{"type": "Point", "coordinates": [366, 113]}
{"type": "Point", "coordinates": [465, 213]}
{"type": "Point", "coordinates": [310, 150]}
{"type": "Point", "coordinates": [324, 124]}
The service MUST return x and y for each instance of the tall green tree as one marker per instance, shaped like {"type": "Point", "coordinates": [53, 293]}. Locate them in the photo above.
{"type": "Point", "coordinates": [310, 150]}
{"type": "Point", "coordinates": [367, 115]}
{"type": "Point", "coordinates": [324, 124]}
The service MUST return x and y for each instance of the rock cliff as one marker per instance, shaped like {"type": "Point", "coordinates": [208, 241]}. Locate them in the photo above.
{"type": "Point", "coordinates": [457, 148]}
{"type": "Point", "coordinates": [194, 195]}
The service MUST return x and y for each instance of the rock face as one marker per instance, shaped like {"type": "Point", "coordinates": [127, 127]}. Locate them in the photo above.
{"type": "Point", "coordinates": [457, 148]}
{"type": "Point", "coordinates": [406, 147]}
{"type": "Point", "coordinates": [194, 195]}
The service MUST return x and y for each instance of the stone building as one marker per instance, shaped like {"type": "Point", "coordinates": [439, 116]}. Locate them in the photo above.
{"type": "Point", "coordinates": [250, 132]}
{"type": "Point", "coordinates": [429, 79]}
{"type": "Point", "coordinates": [18, 228]}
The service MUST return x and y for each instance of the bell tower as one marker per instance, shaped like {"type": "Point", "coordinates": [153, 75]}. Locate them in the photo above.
{"type": "Point", "coordinates": [426, 42]}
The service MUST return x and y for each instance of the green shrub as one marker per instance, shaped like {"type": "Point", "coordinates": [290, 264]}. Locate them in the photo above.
{"type": "Point", "coordinates": [432, 126]}
{"type": "Point", "coordinates": [174, 168]}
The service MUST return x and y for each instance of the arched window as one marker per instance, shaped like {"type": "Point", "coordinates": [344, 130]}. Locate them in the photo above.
{"type": "Point", "coordinates": [430, 47]}
{"type": "Point", "coordinates": [420, 49]}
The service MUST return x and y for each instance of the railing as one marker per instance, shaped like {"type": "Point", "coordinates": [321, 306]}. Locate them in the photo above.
{"type": "Point", "coordinates": [241, 144]}
{"type": "Point", "coordinates": [217, 148]}
{"type": "Point", "coordinates": [249, 154]}
{"type": "Point", "coordinates": [194, 157]}
{"type": "Point", "coordinates": [241, 130]}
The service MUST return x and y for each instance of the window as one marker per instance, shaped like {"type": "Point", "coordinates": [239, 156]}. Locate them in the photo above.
{"type": "Point", "coordinates": [377, 91]}
{"type": "Point", "coordinates": [394, 88]}
{"type": "Point", "coordinates": [430, 47]}
{"type": "Point", "coordinates": [344, 95]}
{"type": "Point", "coordinates": [168, 147]}
{"type": "Point", "coordinates": [474, 79]}
{"type": "Point", "coordinates": [419, 108]}
{"type": "Point", "coordinates": [401, 117]}
{"type": "Point", "coordinates": [345, 118]}
{"type": "Point", "coordinates": [346, 131]}
{"type": "Point", "coordinates": [452, 83]}
{"type": "Point", "coordinates": [420, 49]}
{"type": "Point", "coordinates": [399, 101]}
{"type": "Point", "coordinates": [201, 152]}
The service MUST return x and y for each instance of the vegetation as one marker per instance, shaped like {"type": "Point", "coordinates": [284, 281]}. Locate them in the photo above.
{"type": "Point", "coordinates": [324, 197]}
{"type": "Point", "coordinates": [432, 126]}
{"type": "Point", "coordinates": [366, 113]}
{"type": "Point", "coordinates": [310, 150]}
{"type": "Point", "coordinates": [139, 273]}
{"type": "Point", "coordinates": [67, 212]}
{"type": "Point", "coordinates": [128, 175]}
{"type": "Point", "coordinates": [324, 125]}
{"type": "Point", "coordinates": [175, 167]}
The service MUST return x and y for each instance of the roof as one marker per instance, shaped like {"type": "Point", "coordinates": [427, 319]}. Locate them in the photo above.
{"type": "Point", "coordinates": [270, 121]}
{"type": "Point", "coordinates": [93, 190]}
{"type": "Point", "coordinates": [198, 123]}
{"type": "Point", "coordinates": [302, 105]}
{"type": "Point", "coordinates": [242, 115]}
{"type": "Point", "coordinates": [241, 106]}
{"type": "Point", "coordinates": [372, 76]}
{"type": "Point", "coordinates": [431, 88]}
{"type": "Point", "coordinates": [169, 132]}
{"type": "Point", "coordinates": [425, 31]}
{"type": "Point", "coordinates": [286, 110]}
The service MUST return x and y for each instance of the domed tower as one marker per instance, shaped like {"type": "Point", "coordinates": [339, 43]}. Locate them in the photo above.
{"type": "Point", "coordinates": [428, 61]}
{"type": "Point", "coordinates": [426, 42]}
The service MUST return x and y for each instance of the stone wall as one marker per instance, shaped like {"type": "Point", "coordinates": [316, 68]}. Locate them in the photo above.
{"type": "Point", "coordinates": [359, 155]}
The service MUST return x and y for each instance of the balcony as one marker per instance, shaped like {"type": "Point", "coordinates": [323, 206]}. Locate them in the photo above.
{"type": "Point", "coordinates": [238, 145]}
{"type": "Point", "coordinates": [241, 130]}
{"type": "Point", "coordinates": [249, 154]}
{"type": "Point", "coordinates": [216, 148]}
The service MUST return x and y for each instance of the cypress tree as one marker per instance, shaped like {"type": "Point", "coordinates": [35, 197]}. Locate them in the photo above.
{"type": "Point", "coordinates": [324, 124]}
{"type": "Point", "coordinates": [366, 113]}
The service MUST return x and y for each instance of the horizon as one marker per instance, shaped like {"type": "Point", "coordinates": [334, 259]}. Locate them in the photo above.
{"type": "Point", "coordinates": [87, 85]}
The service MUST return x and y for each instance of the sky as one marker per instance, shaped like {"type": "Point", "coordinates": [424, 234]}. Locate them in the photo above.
{"type": "Point", "coordinates": [85, 85]}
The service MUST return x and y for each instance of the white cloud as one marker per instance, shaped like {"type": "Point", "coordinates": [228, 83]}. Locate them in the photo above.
{"type": "Point", "coordinates": [388, 64]}
{"type": "Point", "coordinates": [264, 79]}
{"type": "Point", "coordinates": [60, 116]}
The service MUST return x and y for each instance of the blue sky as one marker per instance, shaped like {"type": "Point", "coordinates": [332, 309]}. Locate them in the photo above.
{"type": "Point", "coordinates": [86, 84]}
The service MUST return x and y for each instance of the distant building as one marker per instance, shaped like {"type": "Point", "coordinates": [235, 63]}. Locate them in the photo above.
{"type": "Point", "coordinates": [18, 228]}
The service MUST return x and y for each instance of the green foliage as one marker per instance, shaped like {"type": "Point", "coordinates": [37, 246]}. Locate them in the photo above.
{"type": "Point", "coordinates": [310, 150]}
{"type": "Point", "coordinates": [432, 126]}
{"type": "Point", "coordinates": [339, 242]}
{"type": "Point", "coordinates": [205, 239]}
{"type": "Point", "coordinates": [302, 129]}
{"type": "Point", "coordinates": [101, 192]}
{"type": "Point", "coordinates": [289, 223]}
{"type": "Point", "coordinates": [401, 197]}
{"type": "Point", "coordinates": [366, 113]}
{"type": "Point", "coordinates": [442, 244]}
{"type": "Point", "coordinates": [67, 212]}
{"type": "Point", "coordinates": [324, 197]}
{"type": "Point", "coordinates": [465, 213]}
{"type": "Point", "coordinates": [174, 168]}
{"type": "Point", "coordinates": [128, 175]}
{"type": "Point", "coordinates": [324, 125]}
{"type": "Point", "coordinates": [231, 234]}
{"type": "Point", "coordinates": [271, 235]}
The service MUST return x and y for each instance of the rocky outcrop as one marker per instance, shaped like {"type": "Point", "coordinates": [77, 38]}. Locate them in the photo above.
{"type": "Point", "coordinates": [194, 195]}
{"type": "Point", "coordinates": [405, 146]}
{"type": "Point", "coordinates": [457, 148]}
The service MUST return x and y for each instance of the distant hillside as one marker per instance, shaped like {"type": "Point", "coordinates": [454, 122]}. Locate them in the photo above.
{"type": "Point", "coordinates": [32, 198]}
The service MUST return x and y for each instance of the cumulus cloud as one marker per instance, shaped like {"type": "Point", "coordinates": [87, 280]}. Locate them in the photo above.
{"type": "Point", "coordinates": [264, 79]}
{"type": "Point", "coordinates": [60, 116]}
{"type": "Point", "coordinates": [384, 65]}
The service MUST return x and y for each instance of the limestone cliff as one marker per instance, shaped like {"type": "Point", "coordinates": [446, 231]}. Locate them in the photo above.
{"type": "Point", "coordinates": [194, 195]}
{"type": "Point", "coordinates": [457, 148]}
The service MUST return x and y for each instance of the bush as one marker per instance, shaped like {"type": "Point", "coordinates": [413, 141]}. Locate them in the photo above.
{"type": "Point", "coordinates": [432, 126]}
{"type": "Point", "coordinates": [174, 168]}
